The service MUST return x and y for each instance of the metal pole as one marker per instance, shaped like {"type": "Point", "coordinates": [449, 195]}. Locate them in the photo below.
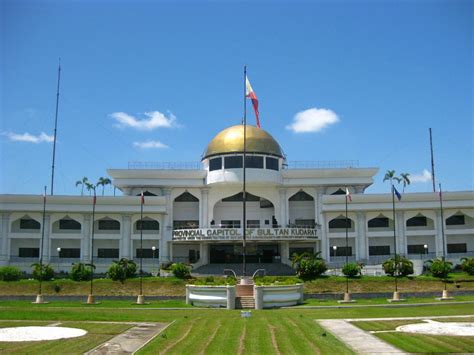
{"type": "Point", "coordinates": [347, 245]}
{"type": "Point", "coordinates": [42, 243]}
{"type": "Point", "coordinates": [141, 244]}
{"type": "Point", "coordinates": [92, 243]}
{"type": "Point", "coordinates": [432, 163]}
{"type": "Point", "coordinates": [55, 128]}
{"type": "Point", "coordinates": [244, 217]}
{"type": "Point", "coordinates": [395, 238]}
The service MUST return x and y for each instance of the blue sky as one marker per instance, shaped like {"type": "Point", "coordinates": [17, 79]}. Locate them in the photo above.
{"type": "Point", "coordinates": [156, 80]}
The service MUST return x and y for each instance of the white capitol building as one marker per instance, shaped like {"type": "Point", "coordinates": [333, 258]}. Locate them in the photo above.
{"type": "Point", "coordinates": [195, 215]}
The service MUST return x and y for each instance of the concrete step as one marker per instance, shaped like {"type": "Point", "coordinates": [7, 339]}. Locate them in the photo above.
{"type": "Point", "coordinates": [244, 290]}
{"type": "Point", "coordinates": [245, 302]}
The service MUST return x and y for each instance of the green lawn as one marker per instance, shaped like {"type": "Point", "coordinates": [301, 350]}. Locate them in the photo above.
{"type": "Point", "coordinates": [419, 343]}
{"type": "Point", "coordinates": [210, 331]}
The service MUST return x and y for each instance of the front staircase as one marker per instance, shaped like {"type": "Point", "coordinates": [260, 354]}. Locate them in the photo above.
{"type": "Point", "coordinates": [275, 269]}
{"type": "Point", "coordinates": [244, 297]}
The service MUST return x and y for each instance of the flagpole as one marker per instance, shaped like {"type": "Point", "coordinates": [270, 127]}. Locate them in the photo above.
{"type": "Point", "coordinates": [347, 247]}
{"type": "Point", "coordinates": [140, 299]}
{"type": "Point", "coordinates": [39, 297]}
{"type": "Point", "coordinates": [55, 128]}
{"type": "Point", "coordinates": [90, 298]}
{"type": "Point", "coordinates": [244, 217]}
{"type": "Point", "coordinates": [432, 163]}
{"type": "Point", "coordinates": [395, 239]}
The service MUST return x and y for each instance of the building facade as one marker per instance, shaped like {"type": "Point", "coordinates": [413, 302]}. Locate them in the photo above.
{"type": "Point", "coordinates": [196, 215]}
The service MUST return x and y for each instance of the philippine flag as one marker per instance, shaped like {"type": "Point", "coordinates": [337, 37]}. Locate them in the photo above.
{"type": "Point", "coordinates": [249, 93]}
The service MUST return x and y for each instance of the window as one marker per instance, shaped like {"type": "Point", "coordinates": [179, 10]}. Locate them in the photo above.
{"type": "Point", "coordinates": [253, 223]}
{"type": "Point", "coordinates": [305, 223]}
{"type": "Point", "coordinates": [417, 249]}
{"type": "Point", "coordinates": [300, 250]}
{"type": "Point", "coordinates": [147, 193]}
{"type": "Point", "coordinates": [301, 196]}
{"type": "Point", "coordinates": [186, 197]}
{"type": "Point", "coordinates": [233, 162]}
{"type": "Point", "coordinates": [379, 250]}
{"type": "Point", "coordinates": [28, 223]}
{"type": "Point", "coordinates": [69, 224]}
{"type": "Point", "coordinates": [265, 203]}
{"type": "Point", "coordinates": [215, 164]}
{"type": "Point", "coordinates": [340, 223]}
{"type": "Point", "coordinates": [73, 253]}
{"type": "Point", "coordinates": [185, 224]}
{"type": "Point", "coordinates": [109, 225]}
{"type": "Point", "coordinates": [145, 253]}
{"type": "Point", "coordinates": [340, 251]}
{"type": "Point", "coordinates": [271, 163]}
{"type": "Point", "coordinates": [417, 221]}
{"type": "Point", "coordinates": [107, 253]}
{"type": "Point", "coordinates": [456, 220]}
{"type": "Point", "coordinates": [28, 252]}
{"type": "Point", "coordinates": [148, 225]}
{"type": "Point", "coordinates": [378, 222]}
{"type": "Point", "coordinates": [339, 192]}
{"type": "Point", "coordinates": [457, 248]}
{"type": "Point", "coordinates": [254, 162]}
{"type": "Point", "coordinates": [230, 224]}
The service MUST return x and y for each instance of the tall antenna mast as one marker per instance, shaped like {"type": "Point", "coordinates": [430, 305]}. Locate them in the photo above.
{"type": "Point", "coordinates": [432, 163]}
{"type": "Point", "coordinates": [55, 128]}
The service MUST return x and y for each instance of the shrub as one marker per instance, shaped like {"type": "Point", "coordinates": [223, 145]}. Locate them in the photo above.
{"type": "Point", "coordinates": [439, 268]}
{"type": "Point", "coordinates": [122, 269]}
{"type": "Point", "coordinates": [42, 272]}
{"type": "Point", "coordinates": [468, 265]}
{"type": "Point", "coordinates": [277, 280]}
{"type": "Point", "coordinates": [10, 273]}
{"type": "Point", "coordinates": [352, 269]}
{"type": "Point", "coordinates": [405, 266]}
{"type": "Point", "coordinates": [181, 271]}
{"type": "Point", "coordinates": [308, 265]}
{"type": "Point", "coordinates": [81, 272]}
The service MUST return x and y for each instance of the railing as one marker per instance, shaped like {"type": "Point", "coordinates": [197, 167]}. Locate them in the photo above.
{"type": "Point", "coordinates": [187, 165]}
{"type": "Point", "coordinates": [321, 164]}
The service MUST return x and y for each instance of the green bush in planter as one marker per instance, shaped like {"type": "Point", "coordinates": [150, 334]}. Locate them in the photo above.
{"type": "Point", "coordinates": [308, 265]}
{"type": "Point", "coordinates": [81, 272]}
{"type": "Point", "coordinates": [44, 272]}
{"type": "Point", "coordinates": [439, 268]}
{"type": "Point", "coordinates": [352, 269]}
{"type": "Point", "coordinates": [122, 269]}
{"type": "Point", "coordinates": [405, 266]}
{"type": "Point", "coordinates": [181, 271]}
{"type": "Point", "coordinates": [468, 265]}
{"type": "Point", "coordinates": [10, 273]}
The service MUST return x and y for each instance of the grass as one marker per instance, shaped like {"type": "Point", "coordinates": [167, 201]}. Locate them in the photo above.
{"type": "Point", "coordinates": [419, 343]}
{"type": "Point", "coordinates": [382, 301]}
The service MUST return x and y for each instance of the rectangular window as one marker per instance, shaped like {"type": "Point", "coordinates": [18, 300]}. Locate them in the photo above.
{"type": "Point", "coordinates": [109, 225]}
{"type": "Point", "coordinates": [73, 253]}
{"type": "Point", "coordinates": [28, 252]}
{"type": "Point", "coordinates": [271, 163]}
{"type": "Point", "coordinates": [457, 248]}
{"type": "Point", "coordinates": [146, 253]}
{"type": "Point", "coordinates": [253, 223]}
{"type": "Point", "coordinates": [456, 220]}
{"type": "Point", "coordinates": [417, 249]}
{"type": "Point", "coordinates": [107, 253]}
{"type": "Point", "coordinates": [340, 251]}
{"type": "Point", "coordinates": [29, 224]}
{"type": "Point", "coordinates": [233, 162]}
{"type": "Point", "coordinates": [148, 225]}
{"type": "Point", "coordinates": [254, 162]}
{"type": "Point", "coordinates": [230, 224]}
{"type": "Point", "coordinates": [419, 221]}
{"type": "Point", "coordinates": [215, 164]}
{"type": "Point", "coordinates": [69, 224]}
{"type": "Point", "coordinates": [379, 250]}
{"type": "Point", "coordinates": [378, 222]}
{"type": "Point", "coordinates": [305, 223]}
{"type": "Point", "coordinates": [340, 223]}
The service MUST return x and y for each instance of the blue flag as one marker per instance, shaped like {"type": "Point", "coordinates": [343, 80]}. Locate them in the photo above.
{"type": "Point", "coordinates": [399, 196]}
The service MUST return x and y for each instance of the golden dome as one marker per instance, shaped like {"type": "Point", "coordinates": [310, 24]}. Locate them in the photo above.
{"type": "Point", "coordinates": [231, 140]}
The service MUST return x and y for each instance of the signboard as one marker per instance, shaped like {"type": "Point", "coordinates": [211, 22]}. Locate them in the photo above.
{"type": "Point", "coordinates": [210, 234]}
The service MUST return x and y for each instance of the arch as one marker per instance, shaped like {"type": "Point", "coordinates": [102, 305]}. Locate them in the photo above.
{"type": "Point", "coordinates": [26, 224]}
{"type": "Point", "coordinates": [67, 224]}
{"type": "Point", "coordinates": [340, 223]}
{"type": "Point", "coordinates": [380, 222]}
{"type": "Point", "coordinates": [146, 193]}
{"type": "Point", "coordinates": [339, 192]}
{"type": "Point", "coordinates": [185, 211]}
{"type": "Point", "coordinates": [419, 221]}
{"type": "Point", "coordinates": [186, 196]}
{"type": "Point", "coordinates": [301, 196]}
{"type": "Point", "coordinates": [107, 225]}
{"type": "Point", "coordinates": [149, 225]}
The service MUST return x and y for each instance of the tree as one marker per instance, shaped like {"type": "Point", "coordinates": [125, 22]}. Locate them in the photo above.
{"type": "Point", "coordinates": [122, 269]}
{"type": "Point", "coordinates": [90, 187]}
{"type": "Point", "coordinates": [398, 266]}
{"type": "Point", "coordinates": [439, 268]}
{"type": "Point", "coordinates": [405, 177]}
{"type": "Point", "coordinates": [468, 265]}
{"type": "Point", "coordinates": [83, 184]}
{"type": "Point", "coordinates": [308, 265]}
{"type": "Point", "coordinates": [103, 182]}
{"type": "Point", "coordinates": [42, 272]}
{"type": "Point", "coordinates": [390, 175]}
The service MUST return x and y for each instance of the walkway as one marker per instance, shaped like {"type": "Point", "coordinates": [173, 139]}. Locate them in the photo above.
{"type": "Point", "coordinates": [357, 339]}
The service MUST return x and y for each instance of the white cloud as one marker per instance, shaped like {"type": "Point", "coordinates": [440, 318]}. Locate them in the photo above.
{"type": "Point", "coordinates": [30, 138]}
{"type": "Point", "coordinates": [425, 176]}
{"type": "Point", "coordinates": [312, 120]}
{"type": "Point", "coordinates": [150, 145]}
{"type": "Point", "coordinates": [155, 119]}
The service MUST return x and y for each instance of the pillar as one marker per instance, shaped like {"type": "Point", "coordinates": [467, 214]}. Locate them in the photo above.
{"type": "Point", "coordinates": [204, 253]}
{"type": "Point", "coordinates": [167, 230]}
{"type": "Point", "coordinates": [258, 296]}
{"type": "Point", "coordinates": [4, 228]}
{"type": "Point", "coordinates": [361, 238]}
{"type": "Point", "coordinates": [285, 253]}
{"type": "Point", "coordinates": [126, 237]}
{"type": "Point", "coordinates": [86, 239]}
{"type": "Point", "coordinates": [46, 240]}
{"type": "Point", "coordinates": [204, 209]}
{"type": "Point", "coordinates": [230, 297]}
{"type": "Point", "coordinates": [283, 212]}
{"type": "Point", "coordinates": [401, 235]}
{"type": "Point", "coordinates": [324, 238]}
{"type": "Point", "coordinates": [439, 235]}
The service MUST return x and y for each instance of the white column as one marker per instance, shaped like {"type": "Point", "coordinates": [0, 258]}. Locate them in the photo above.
{"type": "Point", "coordinates": [401, 235]}
{"type": "Point", "coordinates": [204, 209]}
{"type": "Point", "coordinates": [46, 240]}
{"type": "Point", "coordinates": [5, 251]}
{"type": "Point", "coordinates": [439, 235]}
{"type": "Point", "coordinates": [324, 239]}
{"type": "Point", "coordinates": [126, 237]}
{"type": "Point", "coordinates": [283, 213]}
{"type": "Point", "coordinates": [204, 253]}
{"type": "Point", "coordinates": [86, 239]}
{"type": "Point", "coordinates": [318, 204]}
{"type": "Point", "coordinates": [361, 238]}
{"type": "Point", "coordinates": [167, 231]}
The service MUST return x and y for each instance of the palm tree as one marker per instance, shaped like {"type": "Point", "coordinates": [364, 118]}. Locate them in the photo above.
{"type": "Point", "coordinates": [405, 180]}
{"type": "Point", "coordinates": [83, 183]}
{"type": "Point", "coordinates": [390, 175]}
{"type": "Point", "coordinates": [102, 182]}
{"type": "Point", "coordinates": [90, 187]}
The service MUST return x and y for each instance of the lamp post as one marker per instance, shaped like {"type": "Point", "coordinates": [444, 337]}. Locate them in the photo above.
{"type": "Point", "coordinates": [425, 247]}
{"type": "Point", "coordinates": [153, 248]}
{"type": "Point", "coordinates": [59, 252]}
{"type": "Point", "coordinates": [334, 248]}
